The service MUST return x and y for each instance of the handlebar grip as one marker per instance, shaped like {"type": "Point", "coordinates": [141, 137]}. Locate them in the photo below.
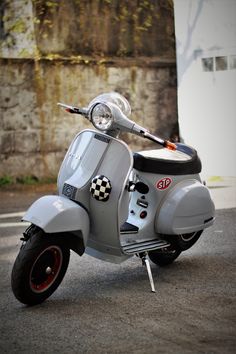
{"type": "Point", "coordinates": [169, 145]}
{"type": "Point", "coordinates": [71, 109]}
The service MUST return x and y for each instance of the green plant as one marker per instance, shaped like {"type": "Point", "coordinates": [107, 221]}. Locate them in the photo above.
{"type": "Point", "coordinates": [27, 180]}
{"type": "Point", "coordinates": [5, 180]}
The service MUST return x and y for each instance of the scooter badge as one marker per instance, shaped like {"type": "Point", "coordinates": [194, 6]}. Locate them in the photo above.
{"type": "Point", "coordinates": [164, 183]}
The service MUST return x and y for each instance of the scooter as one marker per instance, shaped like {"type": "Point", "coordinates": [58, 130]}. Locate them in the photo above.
{"type": "Point", "coordinates": [112, 203]}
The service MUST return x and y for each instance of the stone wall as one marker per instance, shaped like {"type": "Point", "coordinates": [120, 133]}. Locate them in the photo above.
{"type": "Point", "coordinates": [34, 132]}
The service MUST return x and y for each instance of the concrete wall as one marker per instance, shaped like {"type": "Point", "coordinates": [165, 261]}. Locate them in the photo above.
{"type": "Point", "coordinates": [34, 132]}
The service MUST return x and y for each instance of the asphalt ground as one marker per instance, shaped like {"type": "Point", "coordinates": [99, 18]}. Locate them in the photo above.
{"type": "Point", "coordinates": [106, 308]}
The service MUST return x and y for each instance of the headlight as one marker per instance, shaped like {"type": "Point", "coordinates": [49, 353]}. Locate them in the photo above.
{"type": "Point", "coordinates": [101, 116]}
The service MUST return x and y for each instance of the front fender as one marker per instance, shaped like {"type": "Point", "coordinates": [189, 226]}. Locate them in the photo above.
{"type": "Point", "coordinates": [58, 214]}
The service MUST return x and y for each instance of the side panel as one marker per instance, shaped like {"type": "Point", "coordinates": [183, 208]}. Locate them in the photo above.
{"type": "Point", "coordinates": [154, 201]}
{"type": "Point", "coordinates": [58, 214]}
{"type": "Point", "coordinates": [187, 208]}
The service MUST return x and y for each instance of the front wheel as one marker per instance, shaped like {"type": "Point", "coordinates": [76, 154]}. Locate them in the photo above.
{"type": "Point", "coordinates": [39, 267]}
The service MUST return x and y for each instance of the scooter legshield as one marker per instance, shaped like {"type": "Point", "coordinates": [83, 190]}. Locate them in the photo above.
{"type": "Point", "coordinates": [56, 214]}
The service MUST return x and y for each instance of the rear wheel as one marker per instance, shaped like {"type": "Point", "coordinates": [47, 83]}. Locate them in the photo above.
{"type": "Point", "coordinates": [178, 243]}
{"type": "Point", "coordinates": [39, 267]}
{"type": "Point", "coordinates": [164, 256]}
{"type": "Point", "coordinates": [185, 241]}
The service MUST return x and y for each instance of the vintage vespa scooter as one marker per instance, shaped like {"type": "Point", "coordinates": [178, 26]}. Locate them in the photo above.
{"type": "Point", "coordinates": [112, 204]}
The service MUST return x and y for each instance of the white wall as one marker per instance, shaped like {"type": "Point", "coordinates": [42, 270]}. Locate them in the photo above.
{"type": "Point", "coordinates": [207, 99]}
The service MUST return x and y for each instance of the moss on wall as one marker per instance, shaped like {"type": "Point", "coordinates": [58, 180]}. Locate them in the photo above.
{"type": "Point", "coordinates": [105, 27]}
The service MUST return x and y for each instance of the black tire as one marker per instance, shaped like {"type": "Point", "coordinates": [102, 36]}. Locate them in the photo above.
{"type": "Point", "coordinates": [39, 267]}
{"type": "Point", "coordinates": [165, 256]}
{"type": "Point", "coordinates": [185, 241]}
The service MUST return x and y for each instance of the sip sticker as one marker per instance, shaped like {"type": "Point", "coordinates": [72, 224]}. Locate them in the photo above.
{"type": "Point", "coordinates": [164, 183]}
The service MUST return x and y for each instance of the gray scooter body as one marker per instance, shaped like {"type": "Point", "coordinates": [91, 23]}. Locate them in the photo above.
{"type": "Point", "coordinates": [113, 204]}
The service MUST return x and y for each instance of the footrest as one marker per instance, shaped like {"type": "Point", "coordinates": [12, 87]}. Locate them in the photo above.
{"type": "Point", "coordinates": [128, 228]}
{"type": "Point", "coordinates": [144, 246]}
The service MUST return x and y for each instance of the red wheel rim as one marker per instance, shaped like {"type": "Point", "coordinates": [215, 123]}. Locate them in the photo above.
{"type": "Point", "coordinates": [45, 269]}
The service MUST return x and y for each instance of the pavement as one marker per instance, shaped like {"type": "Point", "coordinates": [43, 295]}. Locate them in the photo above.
{"type": "Point", "coordinates": [107, 308]}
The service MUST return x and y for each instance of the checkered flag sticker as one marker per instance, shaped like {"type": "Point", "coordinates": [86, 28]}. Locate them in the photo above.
{"type": "Point", "coordinates": [100, 188]}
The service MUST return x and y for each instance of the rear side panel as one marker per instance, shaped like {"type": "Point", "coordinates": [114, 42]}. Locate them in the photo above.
{"type": "Point", "coordinates": [151, 204]}
{"type": "Point", "coordinates": [173, 205]}
{"type": "Point", "coordinates": [186, 208]}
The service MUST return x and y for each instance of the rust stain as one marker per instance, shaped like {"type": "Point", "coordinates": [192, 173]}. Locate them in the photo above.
{"type": "Point", "coordinates": [40, 97]}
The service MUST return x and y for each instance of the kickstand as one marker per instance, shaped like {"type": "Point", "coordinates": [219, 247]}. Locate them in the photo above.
{"type": "Point", "coordinates": [146, 262]}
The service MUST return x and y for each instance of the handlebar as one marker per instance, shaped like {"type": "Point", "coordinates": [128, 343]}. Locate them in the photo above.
{"type": "Point", "coordinates": [140, 131]}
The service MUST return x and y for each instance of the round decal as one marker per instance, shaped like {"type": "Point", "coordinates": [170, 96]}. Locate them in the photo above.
{"type": "Point", "coordinates": [164, 183]}
{"type": "Point", "coordinates": [100, 188]}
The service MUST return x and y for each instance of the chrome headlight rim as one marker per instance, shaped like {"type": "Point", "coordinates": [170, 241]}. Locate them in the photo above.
{"type": "Point", "coordinates": [104, 123]}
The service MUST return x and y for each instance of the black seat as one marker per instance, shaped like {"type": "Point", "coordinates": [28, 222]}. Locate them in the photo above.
{"type": "Point", "coordinates": [154, 164]}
